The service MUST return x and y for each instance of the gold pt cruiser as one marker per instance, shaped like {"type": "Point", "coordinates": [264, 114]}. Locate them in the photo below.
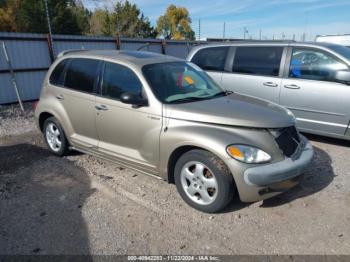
{"type": "Point", "coordinates": [166, 117]}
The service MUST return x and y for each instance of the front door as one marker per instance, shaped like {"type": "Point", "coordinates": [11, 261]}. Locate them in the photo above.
{"type": "Point", "coordinates": [319, 103]}
{"type": "Point", "coordinates": [126, 133]}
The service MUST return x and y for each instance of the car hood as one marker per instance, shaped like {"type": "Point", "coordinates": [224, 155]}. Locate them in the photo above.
{"type": "Point", "coordinates": [233, 110]}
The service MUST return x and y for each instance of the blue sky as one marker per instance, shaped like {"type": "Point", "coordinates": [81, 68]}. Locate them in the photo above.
{"type": "Point", "coordinates": [274, 18]}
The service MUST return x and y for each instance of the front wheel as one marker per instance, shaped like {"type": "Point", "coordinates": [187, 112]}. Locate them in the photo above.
{"type": "Point", "coordinates": [203, 181]}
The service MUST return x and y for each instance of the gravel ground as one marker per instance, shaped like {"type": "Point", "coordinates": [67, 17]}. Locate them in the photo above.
{"type": "Point", "coordinates": [82, 205]}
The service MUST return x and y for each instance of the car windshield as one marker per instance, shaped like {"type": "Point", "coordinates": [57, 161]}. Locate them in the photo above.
{"type": "Point", "coordinates": [180, 82]}
{"type": "Point", "coordinates": [342, 50]}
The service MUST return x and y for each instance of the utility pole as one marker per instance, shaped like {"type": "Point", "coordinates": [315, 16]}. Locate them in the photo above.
{"type": "Point", "coordinates": [245, 31]}
{"type": "Point", "coordinates": [49, 25]}
{"type": "Point", "coordinates": [199, 30]}
{"type": "Point", "coordinates": [303, 37]}
{"type": "Point", "coordinates": [260, 34]}
{"type": "Point", "coordinates": [223, 33]}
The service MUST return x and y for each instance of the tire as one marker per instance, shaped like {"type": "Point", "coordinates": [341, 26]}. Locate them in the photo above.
{"type": "Point", "coordinates": [55, 137]}
{"type": "Point", "coordinates": [204, 181]}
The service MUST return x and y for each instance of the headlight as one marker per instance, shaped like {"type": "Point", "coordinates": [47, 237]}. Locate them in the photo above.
{"type": "Point", "coordinates": [248, 154]}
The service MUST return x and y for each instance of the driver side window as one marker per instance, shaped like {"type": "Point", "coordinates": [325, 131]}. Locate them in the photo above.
{"type": "Point", "coordinates": [314, 65]}
{"type": "Point", "coordinates": [118, 79]}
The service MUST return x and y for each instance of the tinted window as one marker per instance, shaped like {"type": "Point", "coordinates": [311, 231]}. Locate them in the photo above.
{"type": "Point", "coordinates": [258, 60]}
{"type": "Point", "coordinates": [81, 74]}
{"type": "Point", "coordinates": [314, 65]}
{"type": "Point", "coordinates": [118, 79]}
{"type": "Point", "coordinates": [57, 76]}
{"type": "Point", "coordinates": [175, 82]}
{"type": "Point", "coordinates": [211, 58]}
{"type": "Point", "coordinates": [342, 50]}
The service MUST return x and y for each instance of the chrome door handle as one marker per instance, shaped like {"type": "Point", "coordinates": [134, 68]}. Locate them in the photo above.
{"type": "Point", "coordinates": [292, 86]}
{"type": "Point", "coordinates": [61, 97]}
{"type": "Point", "coordinates": [101, 107]}
{"type": "Point", "coordinates": [272, 84]}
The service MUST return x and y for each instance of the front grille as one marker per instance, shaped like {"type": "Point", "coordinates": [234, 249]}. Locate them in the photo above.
{"type": "Point", "coordinates": [288, 140]}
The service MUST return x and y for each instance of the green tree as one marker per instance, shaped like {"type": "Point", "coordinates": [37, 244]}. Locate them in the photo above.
{"type": "Point", "coordinates": [175, 24]}
{"type": "Point", "coordinates": [83, 16]}
{"type": "Point", "coordinates": [97, 22]}
{"type": "Point", "coordinates": [107, 26]}
{"type": "Point", "coordinates": [67, 17]}
{"type": "Point", "coordinates": [31, 17]}
{"type": "Point", "coordinates": [63, 20]}
{"type": "Point", "coordinates": [128, 21]}
{"type": "Point", "coordinates": [8, 15]}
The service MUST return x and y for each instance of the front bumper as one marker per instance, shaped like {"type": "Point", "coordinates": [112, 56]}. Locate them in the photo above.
{"type": "Point", "coordinates": [277, 172]}
{"type": "Point", "coordinates": [265, 181]}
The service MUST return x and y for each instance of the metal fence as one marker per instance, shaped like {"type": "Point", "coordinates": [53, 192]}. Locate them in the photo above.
{"type": "Point", "coordinates": [32, 54]}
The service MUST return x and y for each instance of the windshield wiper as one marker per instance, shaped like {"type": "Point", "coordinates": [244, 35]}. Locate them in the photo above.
{"type": "Point", "coordinates": [223, 93]}
{"type": "Point", "coordinates": [193, 98]}
{"type": "Point", "coordinates": [188, 99]}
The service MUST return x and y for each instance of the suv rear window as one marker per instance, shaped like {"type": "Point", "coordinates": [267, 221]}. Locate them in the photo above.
{"type": "Point", "coordinates": [57, 75]}
{"type": "Point", "coordinates": [212, 58]}
{"type": "Point", "coordinates": [257, 60]}
{"type": "Point", "coordinates": [81, 74]}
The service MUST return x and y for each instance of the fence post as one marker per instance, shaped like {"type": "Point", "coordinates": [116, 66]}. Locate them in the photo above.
{"type": "Point", "coordinates": [117, 42]}
{"type": "Point", "coordinates": [163, 46]}
{"type": "Point", "coordinates": [49, 45]}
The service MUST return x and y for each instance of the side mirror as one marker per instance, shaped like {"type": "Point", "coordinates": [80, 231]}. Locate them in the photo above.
{"type": "Point", "coordinates": [342, 76]}
{"type": "Point", "coordinates": [133, 99]}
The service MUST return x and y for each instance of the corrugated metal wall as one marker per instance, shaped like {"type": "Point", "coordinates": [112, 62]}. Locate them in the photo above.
{"type": "Point", "coordinates": [30, 57]}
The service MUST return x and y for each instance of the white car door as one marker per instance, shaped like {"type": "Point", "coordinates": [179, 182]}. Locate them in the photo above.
{"type": "Point", "coordinates": [320, 104]}
{"type": "Point", "coordinates": [255, 71]}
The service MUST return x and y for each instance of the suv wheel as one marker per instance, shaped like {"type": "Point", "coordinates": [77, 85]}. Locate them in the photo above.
{"type": "Point", "coordinates": [55, 137]}
{"type": "Point", "coordinates": [203, 181]}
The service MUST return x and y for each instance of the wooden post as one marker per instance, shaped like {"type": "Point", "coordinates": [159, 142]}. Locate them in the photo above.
{"type": "Point", "coordinates": [117, 42]}
{"type": "Point", "coordinates": [49, 45]}
{"type": "Point", "coordinates": [163, 47]}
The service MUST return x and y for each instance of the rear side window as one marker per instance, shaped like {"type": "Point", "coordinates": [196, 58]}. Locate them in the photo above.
{"type": "Point", "coordinates": [212, 58]}
{"type": "Point", "coordinates": [57, 75]}
{"type": "Point", "coordinates": [314, 65]}
{"type": "Point", "coordinates": [118, 79]}
{"type": "Point", "coordinates": [81, 74]}
{"type": "Point", "coordinates": [263, 61]}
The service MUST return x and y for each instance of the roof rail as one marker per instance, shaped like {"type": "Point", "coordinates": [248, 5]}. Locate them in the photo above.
{"type": "Point", "coordinates": [68, 51]}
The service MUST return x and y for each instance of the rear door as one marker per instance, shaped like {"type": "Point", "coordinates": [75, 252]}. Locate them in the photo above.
{"type": "Point", "coordinates": [76, 92]}
{"type": "Point", "coordinates": [309, 90]}
{"type": "Point", "coordinates": [256, 71]}
{"type": "Point", "coordinates": [212, 60]}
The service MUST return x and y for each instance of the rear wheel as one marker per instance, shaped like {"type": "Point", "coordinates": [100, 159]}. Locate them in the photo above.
{"type": "Point", "coordinates": [203, 181]}
{"type": "Point", "coordinates": [55, 137]}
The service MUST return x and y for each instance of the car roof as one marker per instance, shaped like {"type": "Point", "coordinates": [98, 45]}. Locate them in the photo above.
{"type": "Point", "coordinates": [264, 43]}
{"type": "Point", "coordinates": [137, 58]}
{"type": "Point", "coordinates": [254, 43]}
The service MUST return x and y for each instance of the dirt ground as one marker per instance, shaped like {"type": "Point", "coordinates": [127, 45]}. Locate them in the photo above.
{"type": "Point", "coordinates": [79, 204]}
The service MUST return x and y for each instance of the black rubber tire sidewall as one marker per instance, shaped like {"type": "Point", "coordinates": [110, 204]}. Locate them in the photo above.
{"type": "Point", "coordinates": [224, 179]}
{"type": "Point", "coordinates": [64, 147]}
